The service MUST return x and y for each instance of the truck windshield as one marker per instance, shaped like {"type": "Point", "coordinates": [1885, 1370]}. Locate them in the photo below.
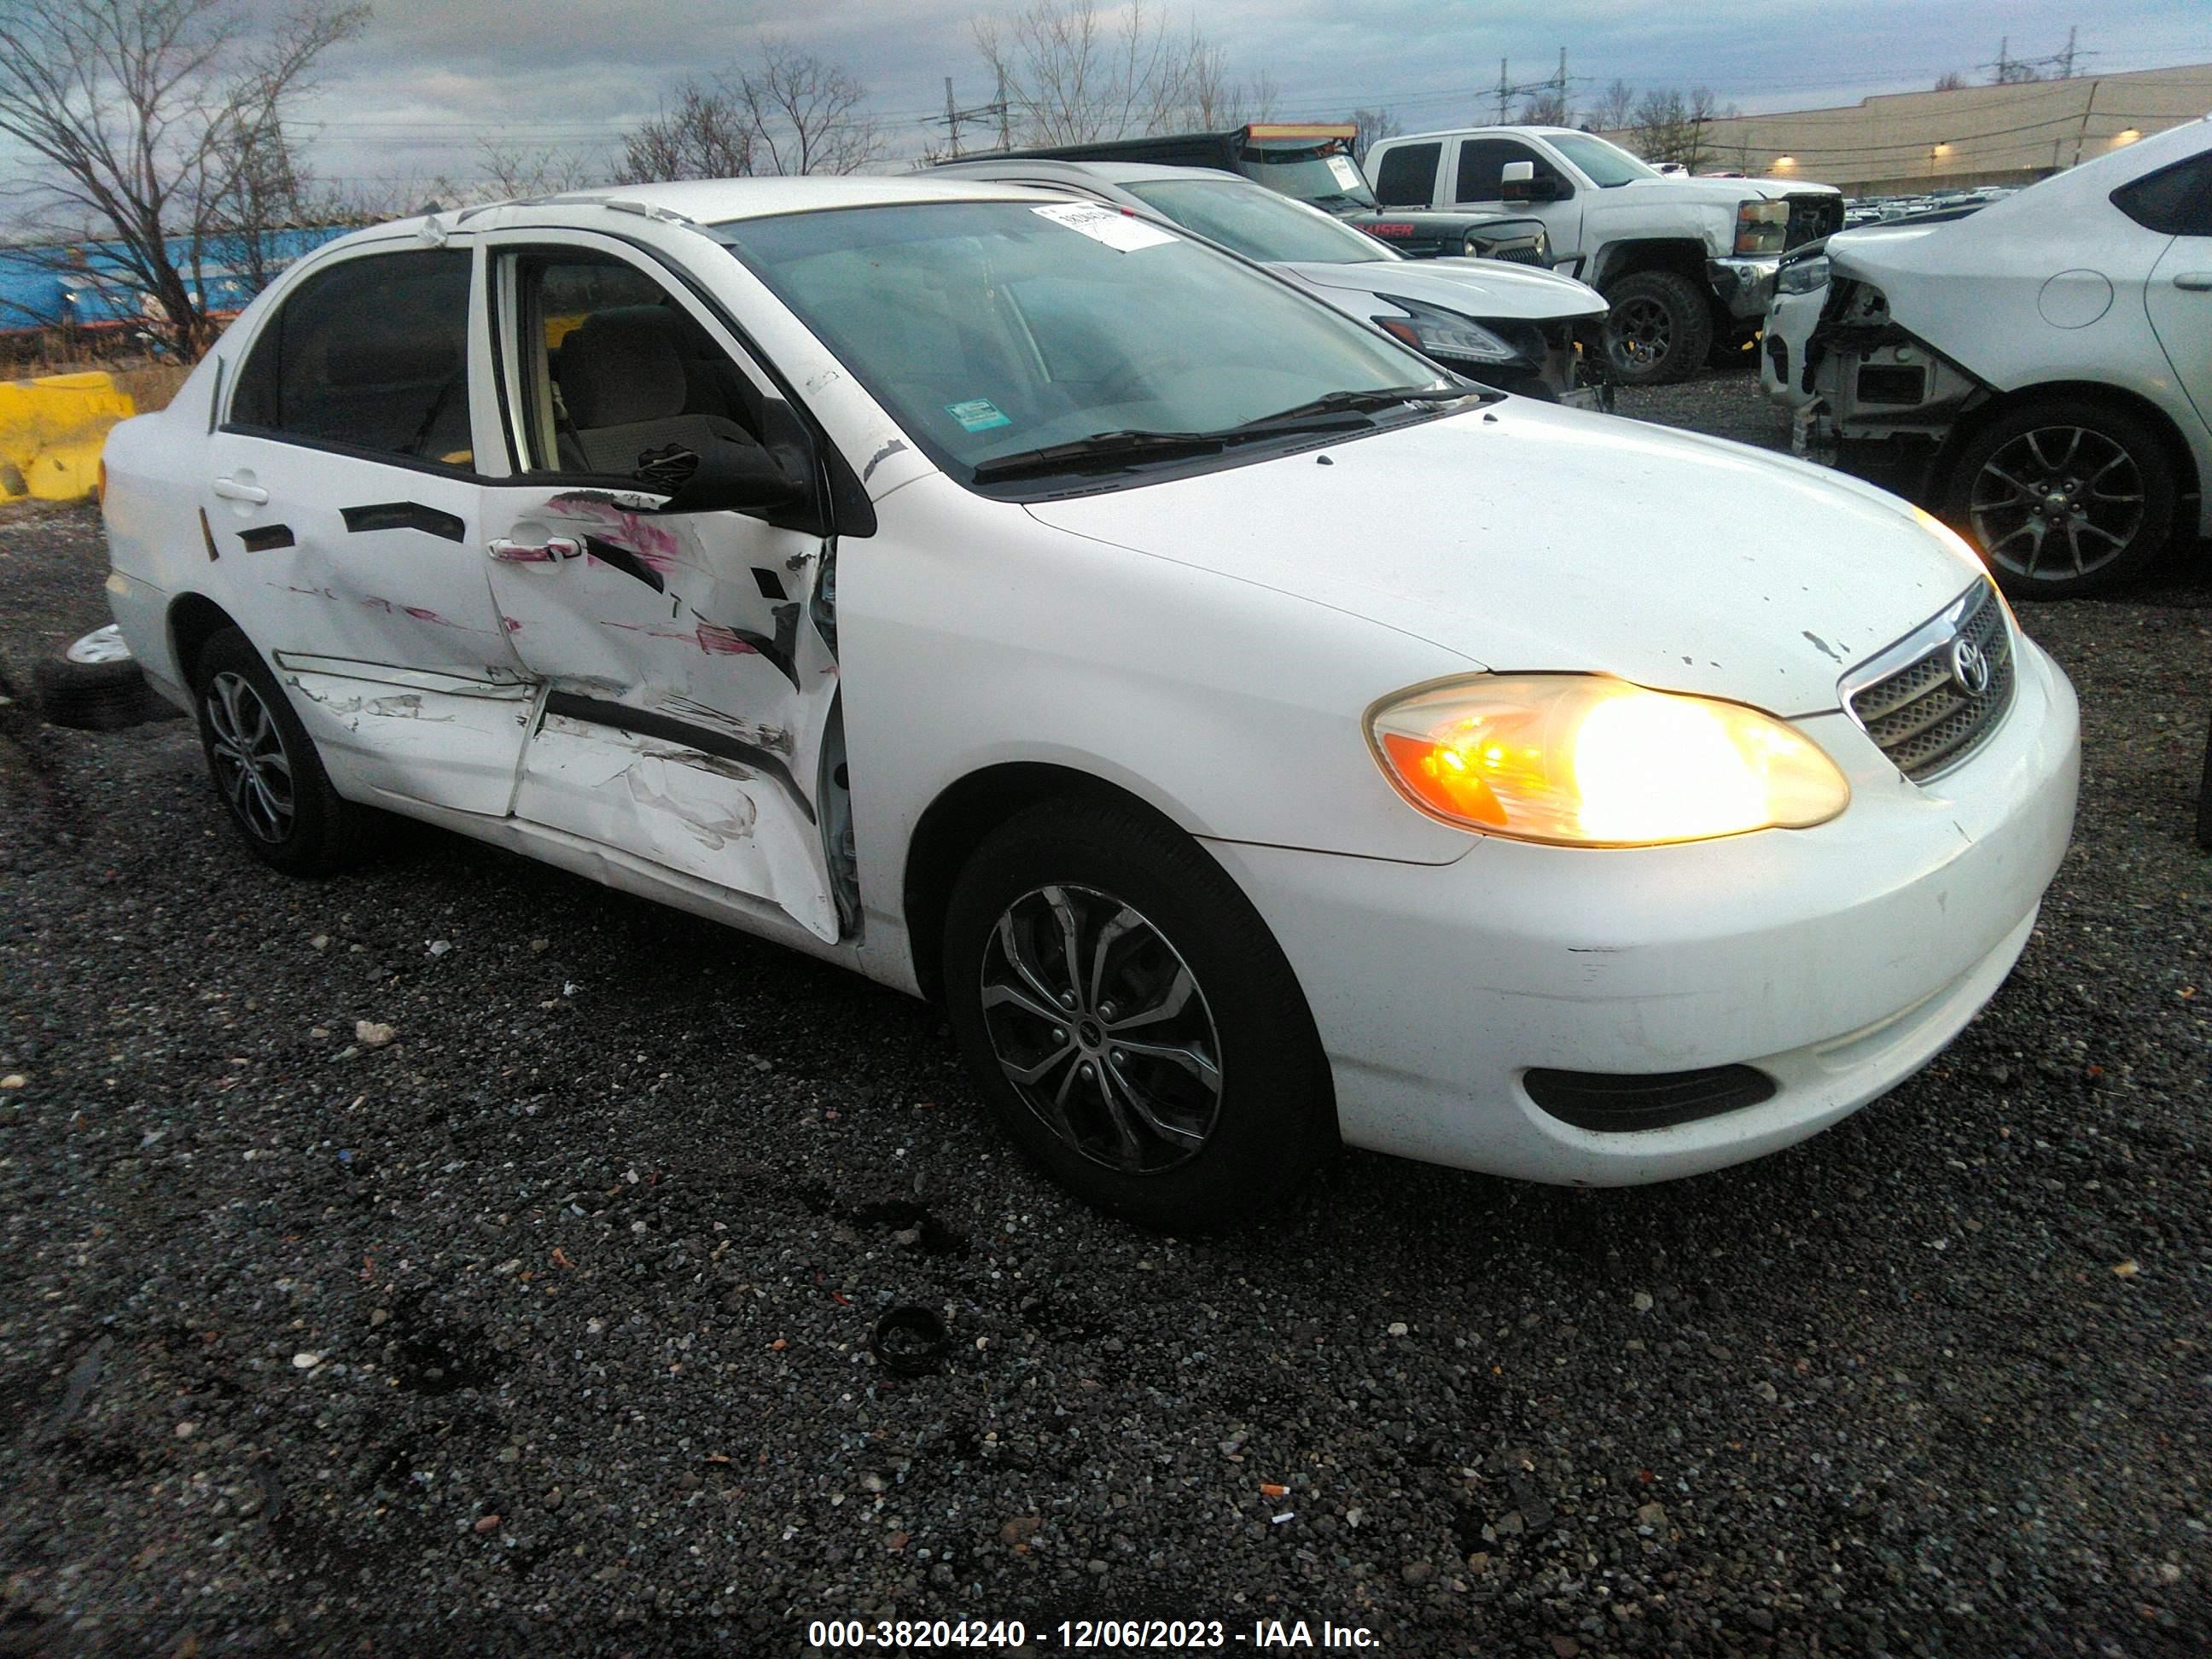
{"type": "Point", "coordinates": [1604, 163]}
{"type": "Point", "coordinates": [1258, 223]}
{"type": "Point", "coordinates": [1306, 175]}
{"type": "Point", "coordinates": [989, 329]}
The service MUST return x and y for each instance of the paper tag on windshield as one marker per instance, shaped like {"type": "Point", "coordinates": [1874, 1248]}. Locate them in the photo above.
{"type": "Point", "coordinates": [1117, 229]}
{"type": "Point", "coordinates": [1347, 174]}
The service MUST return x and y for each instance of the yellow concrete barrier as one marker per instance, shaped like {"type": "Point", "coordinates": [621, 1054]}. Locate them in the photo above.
{"type": "Point", "coordinates": [51, 430]}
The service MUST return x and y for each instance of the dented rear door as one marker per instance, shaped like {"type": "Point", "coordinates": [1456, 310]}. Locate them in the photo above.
{"type": "Point", "coordinates": [340, 506]}
{"type": "Point", "coordinates": [687, 690]}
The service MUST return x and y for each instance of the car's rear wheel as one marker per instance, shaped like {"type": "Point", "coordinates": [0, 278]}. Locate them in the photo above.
{"type": "Point", "coordinates": [1132, 1020]}
{"type": "Point", "coordinates": [265, 768]}
{"type": "Point", "coordinates": [2064, 497]}
{"type": "Point", "coordinates": [1660, 329]}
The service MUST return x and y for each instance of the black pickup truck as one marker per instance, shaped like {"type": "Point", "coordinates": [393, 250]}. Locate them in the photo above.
{"type": "Point", "coordinates": [1312, 162]}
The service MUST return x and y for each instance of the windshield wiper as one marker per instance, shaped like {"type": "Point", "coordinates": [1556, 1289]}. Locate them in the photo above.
{"type": "Point", "coordinates": [1101, 452]}
{"type": "Point", "coordinates": [1322, 411]}
{"type": "Point", "coordinates": [1105, 450]}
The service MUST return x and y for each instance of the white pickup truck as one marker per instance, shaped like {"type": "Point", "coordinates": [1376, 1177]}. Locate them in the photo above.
{"type": "Point", "coordinates": [1688, 264]}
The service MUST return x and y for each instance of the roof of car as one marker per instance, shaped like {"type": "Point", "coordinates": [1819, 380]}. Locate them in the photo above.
{"type": "Point", "coordinates": [719, 200]}
{"type": "Point", "coordinates": [1108, 172]}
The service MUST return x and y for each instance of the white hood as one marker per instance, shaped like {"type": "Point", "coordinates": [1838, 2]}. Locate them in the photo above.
{"type": "Point", "coordinates": [1716, 192]}
{"type": "Point", "coordinates": [1527, 536]}
{"type": "Point", "coordinates": [1473, 288]}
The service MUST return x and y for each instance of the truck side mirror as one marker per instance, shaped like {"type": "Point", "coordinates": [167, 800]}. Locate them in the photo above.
{"type": "Point", "coordinates": [1517, 181]}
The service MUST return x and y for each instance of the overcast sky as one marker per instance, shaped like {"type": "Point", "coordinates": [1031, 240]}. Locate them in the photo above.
{"type": "Point", "coordinates": [430, 81]}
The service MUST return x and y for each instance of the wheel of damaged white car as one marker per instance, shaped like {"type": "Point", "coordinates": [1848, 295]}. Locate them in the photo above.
{"type": "Point", "coordinates": [2064, 497]}
{"type": "Point", "coordinates": [1131, 1021]}
{"type": "Point", "coordinates": [266, 767]}
{"type": "Point", "coordinates": [1660, 329]}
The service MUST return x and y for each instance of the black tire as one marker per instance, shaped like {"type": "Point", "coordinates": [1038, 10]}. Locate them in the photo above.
{"type": "Point", "coordinates": [285, 811]}
{"type": "Point", "coordinates": [93, 685]}
{"type": "Point", "coordinates": [1660, 329]}
{"type": "Point", "coordinates": [1241, 1144]}
{"type": "Point", "coordinates": [2025, 490]}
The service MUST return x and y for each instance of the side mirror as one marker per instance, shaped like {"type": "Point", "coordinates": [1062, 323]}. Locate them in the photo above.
{"type": "Point", "coordinates": [774, 480]}
{"type": "Point", "coordinates": [741, 477]}
{"type": "Point", "coordinates": [1517, 181]}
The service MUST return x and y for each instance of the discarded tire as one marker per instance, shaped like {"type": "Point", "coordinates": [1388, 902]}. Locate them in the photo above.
{"type": "Point", "coordinates": [91, 684]}
{"type": "Point", "coordinates": [909, 1340]}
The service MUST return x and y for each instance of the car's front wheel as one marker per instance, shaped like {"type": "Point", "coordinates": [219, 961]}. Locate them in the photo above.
{"type": "Point", "coordinates": [1660, 329]}
{"type": "Point", "coordinates": [1132, 1020]}
{"type": "Point", "coordinates": [2063, 497]}
{"type": "Point", "coordinates": [265, 768]}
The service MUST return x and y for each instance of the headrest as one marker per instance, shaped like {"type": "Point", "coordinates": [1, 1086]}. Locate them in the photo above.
{"type": "Point", "coordinates": [622, 367]}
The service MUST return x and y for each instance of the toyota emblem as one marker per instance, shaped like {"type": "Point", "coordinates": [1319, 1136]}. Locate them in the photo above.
{"type": "Point", "coordinates": [1970, 666]}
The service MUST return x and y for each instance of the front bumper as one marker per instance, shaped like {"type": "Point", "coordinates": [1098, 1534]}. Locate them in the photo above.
{"type": "Point", "coordinates": [1837, 960]}
{"type": "Point", "coordinates": [1746, 286]}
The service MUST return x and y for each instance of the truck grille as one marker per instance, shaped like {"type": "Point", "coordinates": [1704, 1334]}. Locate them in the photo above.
{"type": "Point", "coordinates": [1916, 700]}
{"type": "Point", "coordinates": [1812, 217]}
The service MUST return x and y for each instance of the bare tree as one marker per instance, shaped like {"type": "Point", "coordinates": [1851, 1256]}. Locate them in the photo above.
{"type": "Point", "coordinates": [142, 115]}
{"type": "Point", "coordinates": [1666, 126]}
{"type": "Point", "coordinates": [803, 113]}
{"type": "Point", "coordinates": [271, 191]}
{"type": "Point", "coordinates": [513, 170]}
{"type": "Point", "coordinates": [1547, 108]}
{"type": "Point", "coordinates": [1375, 125]}
{"type": "Point", "coordinates": [1076, 72]}
{"type": "Point", "coordinates": [1615, 107]}
{"type": "Point", "coordinates": [702, 135]}
{"type": "Point", "coordinates": [1950, 81]}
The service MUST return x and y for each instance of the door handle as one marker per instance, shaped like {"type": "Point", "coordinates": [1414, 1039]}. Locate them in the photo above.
{"type": "Point", "coordinates": [548, 552]}
{"type": "Point", "coordinates": [2196, 282]}
{"type": "Point", "coordinates": [231, 490]}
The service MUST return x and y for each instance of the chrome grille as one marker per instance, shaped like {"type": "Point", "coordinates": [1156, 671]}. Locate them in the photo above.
{"type": "Point", "coordinates": [1911, 700]}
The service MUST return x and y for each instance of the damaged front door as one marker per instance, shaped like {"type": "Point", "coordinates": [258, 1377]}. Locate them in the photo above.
{"type": "Point", "coordinates": [688, 691]}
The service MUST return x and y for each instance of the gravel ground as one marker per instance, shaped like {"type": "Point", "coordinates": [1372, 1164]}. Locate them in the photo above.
{"type": "Point", "coordinates": [542, 1327]}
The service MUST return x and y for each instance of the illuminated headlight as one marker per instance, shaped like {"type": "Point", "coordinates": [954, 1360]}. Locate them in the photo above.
{"type": "Point", "coordinates": [1802, 275]}
{"type": "Point", "coordinates": [1761, 227]}
{"type": "Point", "coordinates": [1445, 333]}
{"type": "Point", "coordinates": [1580, 760]}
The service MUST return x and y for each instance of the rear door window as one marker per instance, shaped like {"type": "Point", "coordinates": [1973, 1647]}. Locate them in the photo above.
{"type": "Point", "coordinates": [1407, 175]}
{"type": "Point", "coordinates": [369, 355]}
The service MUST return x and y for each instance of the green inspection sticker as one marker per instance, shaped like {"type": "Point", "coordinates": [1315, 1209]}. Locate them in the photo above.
{"type": "Point", "coordinates": [978, 415]}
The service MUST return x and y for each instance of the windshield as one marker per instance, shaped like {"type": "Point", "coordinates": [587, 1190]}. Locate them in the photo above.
{"type": "Point", "coordinates": [994, 328]}
{"type": "Point", "coordinates": [1329, 181]}
{"type": "Point", "coordinates": [1605, 162]}
{"type": "Point", "coordinates": [1258, 223]}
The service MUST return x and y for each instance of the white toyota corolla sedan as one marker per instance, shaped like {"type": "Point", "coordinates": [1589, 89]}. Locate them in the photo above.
{"type": "Point", "coordinates": [1257, 739]}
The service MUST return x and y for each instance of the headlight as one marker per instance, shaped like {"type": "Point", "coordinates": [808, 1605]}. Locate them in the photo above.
{"type": "Point", "coordinates": [1443, 333]}
{"type": "Point", "coordinates": [1802, 275]}
{"type": "Point", "coordinates": [1583, 761]}
{"type": "Point", "coordinates": [1761, 227]}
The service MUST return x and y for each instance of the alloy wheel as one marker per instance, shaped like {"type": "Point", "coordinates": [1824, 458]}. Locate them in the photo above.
{"type": "Point", "coordinates": [2057, 501]}
{"type": "Point", "coordinates": [1101, 1029]}
{"type": "Point", "coordinates": [250, 765]}
{"type": "Point", "coordinates": [1639, 334]}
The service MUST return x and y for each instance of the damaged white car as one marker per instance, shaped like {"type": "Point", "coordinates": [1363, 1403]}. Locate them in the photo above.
{"type": "Point", "coordinates": [2038, 371]}
{"type": "Point", "coordinates": [990, 594]}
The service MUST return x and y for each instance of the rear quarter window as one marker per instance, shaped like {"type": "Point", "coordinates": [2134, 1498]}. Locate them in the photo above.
{"type": "Point", "coordinates": [372, 355]}
{"type": "Point", "coordinates": [2175, 201]}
